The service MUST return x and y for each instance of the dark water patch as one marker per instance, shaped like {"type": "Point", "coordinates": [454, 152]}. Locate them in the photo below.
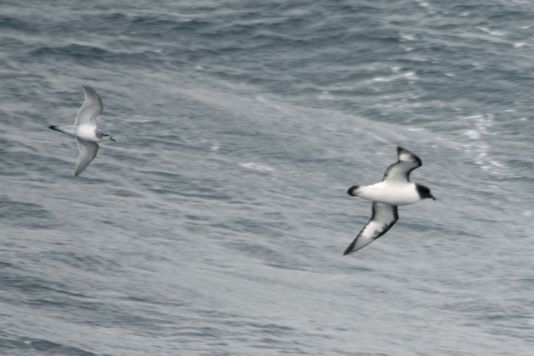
{"type": "Point", "coordinates": [21, 163]}
{"type": "Point", "coordinates": [197, 218]}
{"type": "Point", "coordinates": [29, 346]}
{"type": "Point", "coordinates": [11, 23]}
{"type": "Point", "coordinates": [75, 51]}
{"type": "Point", "coordinates": [195, 191]}
{"type": "Point", "coordinates": [252, 248]}
{"type": "Point", "coordinates": [125, 193]}
{"type": "Point", "coordinates": [28, 215]}
{"type": "Point", "coordinates": [31, 286]}
{"type": "Point", "coordinates": [86, 177]}
{"type": "Point", "coordinates": [151, 300]}
{"type": "Point", "coordinates": [5, 264]}
{"type": "Point", "coordinates": [46, 347]}
{"type": "Point", "coordinates": [91, 311]}
{"type": "Point", "coordinates": [91, 55]}
{"type": "Point", "coordinates": [203, 332]}
{"type": "Point", "coordinates": [272, 329]}
{"type": "Point", "coordinates": [251, 226]}
{"type": "Point", "coordinates": [87, 262]}
{"type": "Point", "coordinates": [160, 26]}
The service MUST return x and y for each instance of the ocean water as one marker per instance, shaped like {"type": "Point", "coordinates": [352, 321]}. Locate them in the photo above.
{"type": "Point", "coordinates": [215, 225]}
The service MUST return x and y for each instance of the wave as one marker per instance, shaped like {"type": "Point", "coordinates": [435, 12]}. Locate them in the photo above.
{"type": "Point", "coordinates": [257, 167]}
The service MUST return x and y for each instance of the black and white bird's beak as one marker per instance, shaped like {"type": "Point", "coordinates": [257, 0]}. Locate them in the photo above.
{"type": "Point", "coordinates": [433, 197]}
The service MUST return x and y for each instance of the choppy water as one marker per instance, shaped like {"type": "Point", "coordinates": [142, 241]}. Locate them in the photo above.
{"type": "Point", "coordinates": [215, 225]}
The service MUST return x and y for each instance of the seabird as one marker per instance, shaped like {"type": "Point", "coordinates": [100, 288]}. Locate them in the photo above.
{"type": "Point", "coordinates": [85, 132]}
{"type": "Point", "coordinates": [394, 189]}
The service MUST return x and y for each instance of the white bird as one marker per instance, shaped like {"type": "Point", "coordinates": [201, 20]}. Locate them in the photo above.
{"type": "Point", "coordinates": [394, 189]}
{"type": "Point", "coordinates": [84, 130]}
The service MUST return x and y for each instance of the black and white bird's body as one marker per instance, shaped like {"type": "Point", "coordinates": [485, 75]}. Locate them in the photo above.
{"type": "Point", "coordinates": [85, 132]}
{"type": "Point", "coordinates": [395, 189]}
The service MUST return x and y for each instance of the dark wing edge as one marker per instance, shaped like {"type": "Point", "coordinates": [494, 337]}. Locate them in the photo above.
{"type": "Point", "coordinates": [350, 249]}
{"type": "Point", "coordinates": [385, 228]}
{"type": "Point", "coordinates": [412, 156]}
{"type": "Point", "coordinates": [408, 158]}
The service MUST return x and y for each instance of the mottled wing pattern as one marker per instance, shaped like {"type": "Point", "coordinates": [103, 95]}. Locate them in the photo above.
{"type": "Point", "coordinates": [88, 151]}
{"type": "Point", "coordinates": [400, 170]}
{"type": "Point", "coordinates": [383, 218]}
{"type": "Point", "coordinates": [92, 107]}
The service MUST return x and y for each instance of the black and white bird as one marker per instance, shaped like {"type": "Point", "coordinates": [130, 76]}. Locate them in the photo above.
{"type": "Point", "coordinates": [85, 132]}
{"type": "Point", "coordinates": [394, 189]}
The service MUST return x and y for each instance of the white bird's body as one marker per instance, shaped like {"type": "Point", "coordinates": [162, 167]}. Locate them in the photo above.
{"type": "Point", "coordinates": [87, 132]}
{"type": "Point", "coordinates": [394, 189]}
{"type": "Point", "coordinates": [392, 193]}
{"type": "Point", "coordinates": [85, 129]}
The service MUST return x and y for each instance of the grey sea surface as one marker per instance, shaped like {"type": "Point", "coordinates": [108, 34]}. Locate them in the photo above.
{"type": "Point", "coordinates": [215, 225]}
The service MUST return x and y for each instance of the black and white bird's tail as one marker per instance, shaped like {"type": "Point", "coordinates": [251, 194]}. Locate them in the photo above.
{"type": "Point", "coordinates": [352, 191]}
{"type": "Point", "coordinates": [67, 130]}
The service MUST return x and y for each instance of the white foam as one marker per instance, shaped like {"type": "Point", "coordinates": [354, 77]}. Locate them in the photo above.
{"type": "Point", "coordinates": [495, 33]}
{"type": "Point", "coordinates": [411, 76]}
{"type": "Point", "coordinates": [478, 147]}
{"type": "Point", "coordinates": [472, 134]}
{"type": "Point", "coordinates": [258, 167]}
{"type": "Point", "coordinates": [407, 37]}
{"type": "Point", "coordinates": [325, 95]}
{"type": "Point", "coordinates": [425, 5]}
{"type": "Point", "coordinates": [215, 147]}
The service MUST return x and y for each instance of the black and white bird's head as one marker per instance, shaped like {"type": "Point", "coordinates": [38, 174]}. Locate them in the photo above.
{"type": "Point", "coordinates": [424, 192]}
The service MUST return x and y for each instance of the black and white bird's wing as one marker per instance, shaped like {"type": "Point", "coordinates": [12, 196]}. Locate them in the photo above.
{"type": "Point", "coordinates": [400, 170]}
{"type": "Point", "coordinates": [92, 107]}
{"type": "Point", "coordinates": [383, 218]}
{"type": "Point", "coordinates": [88, 152]}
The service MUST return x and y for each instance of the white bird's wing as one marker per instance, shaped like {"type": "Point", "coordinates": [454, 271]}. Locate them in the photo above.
{"type": "Point", "coordinates": [383, 218]}
{"type": "Point", "coordinates": [92, 107]}
{"type": "Point", "coordinates": [400, 170]}
{"type": "Point", "coordinates": [88, 152]}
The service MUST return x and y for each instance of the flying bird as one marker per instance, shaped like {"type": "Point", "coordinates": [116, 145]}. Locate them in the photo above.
{"type": "Point", "coordinates": [394, 189]}
{"type": "Point", "coordinates": [85, 132]}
